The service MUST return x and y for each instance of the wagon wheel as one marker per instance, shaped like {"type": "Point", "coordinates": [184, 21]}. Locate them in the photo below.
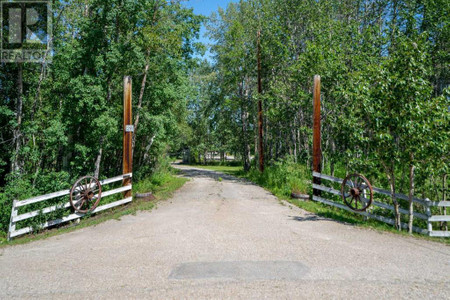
{"type": "Point", "coordinates": [357, 192]}
{"type": "Point", "coordinates": [85, 194]}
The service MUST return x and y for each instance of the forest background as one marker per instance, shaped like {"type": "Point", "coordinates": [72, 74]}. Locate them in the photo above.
{"type": "Point", "coordinates": [385, 99]}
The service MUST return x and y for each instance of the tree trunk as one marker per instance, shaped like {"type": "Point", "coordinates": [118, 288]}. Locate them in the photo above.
{"type": "Point", "coordinates": [99, 157]}
{"type": "Point", "coordinates": [391, 177]}
{"type": "Point", "coordinates": [333, 153]}
{"type": "Point", "coordinates": [294, 139]}
{"type": "Point", "coordinates": [411, 195]}
{"type": "Point", "coordinates": [97, 162]}
{"type": "Point", "coordinates": [394, 200]}
{"type": "Point", "coordinates": [256, 142]}
{"type": "Point", "coordinates": [16, 164]}
{"type": "Point", "coordinates": [243, 94]}
{"type": "Point", "coordinates": [36, 173]}
{"type": "Point", "coordinates": [139, 106]}
{"type": "Point", "coordinates": [109, 90]}
{"type": "Point", "coordinates": [288, 143]}
{"type": "Point", "coordinates": [147, 148]}
{"type": "Point", "coordinates": [38, 90]}
{"type": "Point", "coordinates": [444, 198]}
{"type": "Point", "coordinates": [246, 145]}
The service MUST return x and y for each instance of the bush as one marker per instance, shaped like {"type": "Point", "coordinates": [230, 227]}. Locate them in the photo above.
{"type": "Point", "coordinates": [21, 187]}
{"type": "Point", "coordinates": [283, 177]}
{"type": "Point", "coordinates": [231, 163]}
{"type": "Point", "coordinates": [160, 174]}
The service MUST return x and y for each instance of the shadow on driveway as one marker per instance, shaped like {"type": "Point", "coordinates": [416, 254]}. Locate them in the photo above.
{"type": "Point", "coordinates": [191, 172]}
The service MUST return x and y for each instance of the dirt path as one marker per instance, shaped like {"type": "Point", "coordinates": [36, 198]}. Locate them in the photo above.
{"type": "Point", "coordinates": [225, 239]}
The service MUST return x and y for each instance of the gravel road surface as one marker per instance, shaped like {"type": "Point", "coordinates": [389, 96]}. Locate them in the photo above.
{"type": "Point", "coordinates": [221, 239]}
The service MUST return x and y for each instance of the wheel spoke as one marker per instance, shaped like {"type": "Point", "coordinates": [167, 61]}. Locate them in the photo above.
{"type": "Point", "coordinates": [358, 182]}
{"type": "Point", "coordinates": [357, 192]}
{"type": "Point", "coordinates": [95, 192]}
{"type": "Point", "coordinates": [80, 205]}
{"type": "Point", "coordinates": [85, 194]}
{"type": "Point", "coordinates": [364, 184]}
{"type": "Point", "coordinates": [80, 187]}
{"type": "Point", "coordinates": [364, 199]}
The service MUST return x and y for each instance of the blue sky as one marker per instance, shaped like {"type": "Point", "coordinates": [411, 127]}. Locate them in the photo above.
{"type": "Point", "coordinates": [206, 7]}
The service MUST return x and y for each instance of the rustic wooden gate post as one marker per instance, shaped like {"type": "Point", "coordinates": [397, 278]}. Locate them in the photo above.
{"type": "Point", "coordinates": [317, 152]}
{"type": "Point", "coordinates": [127, 133]}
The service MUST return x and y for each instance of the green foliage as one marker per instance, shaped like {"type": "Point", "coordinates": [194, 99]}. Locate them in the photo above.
{"type": "Point", "coordinates": [161, 192]}
{"type": "Point", "coordinates": [283, 177]}
{"type": "Point", "coordinates": [384, 70]}
{"type": "Point", "coordinates": [383, 88]}
{"type": "Point", "coordinates": [59, 119]}
{"type": "Point", "coordinates": [161, 174]}
{"type": "Point", "coordinates": [20, 188]}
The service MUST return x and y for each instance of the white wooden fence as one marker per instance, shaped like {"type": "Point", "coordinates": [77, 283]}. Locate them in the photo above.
{"type": "Point", "coordinates": [15, 217]}
{"type": "Point", "coordinates": [426, 203]}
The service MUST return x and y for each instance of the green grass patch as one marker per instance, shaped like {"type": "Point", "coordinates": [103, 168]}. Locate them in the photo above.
{"type": "Point", "coordinates": [281, 178]}
{"type": "Point", "coordinates": [162, 189]}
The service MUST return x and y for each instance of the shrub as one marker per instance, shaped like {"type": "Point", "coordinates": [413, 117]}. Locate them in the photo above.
{"type": "Point", "coordinates": [283, 177]}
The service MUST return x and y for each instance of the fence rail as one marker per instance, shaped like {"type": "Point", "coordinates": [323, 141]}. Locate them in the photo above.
{"type": "Point", "coordinates": [15, 217]}
{"type": "Point", "coordinates": [426, 203]}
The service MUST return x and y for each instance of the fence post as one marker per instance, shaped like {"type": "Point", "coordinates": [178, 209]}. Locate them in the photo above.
{"type": "Point", "coordinates": [12, 224]}
{"type": "Point", "coordinates": [128, 130]}
{"type": "Point", "coordinates": [444, 198]}
{"type": "Point", "coordinates": [317, 152]}
{"type": "Point", "coordinates": [428, 212]}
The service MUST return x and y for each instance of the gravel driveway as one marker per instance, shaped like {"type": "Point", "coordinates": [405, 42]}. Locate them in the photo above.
{"type": "Point", "coordinates": [225, 239]}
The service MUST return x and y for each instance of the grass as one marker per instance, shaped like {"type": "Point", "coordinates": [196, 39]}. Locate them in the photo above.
{"type": "Point", "coordinates": [162, 189]}
{"type": "Point", "coordinates": [316, 207]}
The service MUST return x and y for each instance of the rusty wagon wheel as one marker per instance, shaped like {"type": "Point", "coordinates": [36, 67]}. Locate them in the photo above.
{"type": "Point", "coordinates": [357, 192]}
{"type": "Point", "coordinates": [85, 194]}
